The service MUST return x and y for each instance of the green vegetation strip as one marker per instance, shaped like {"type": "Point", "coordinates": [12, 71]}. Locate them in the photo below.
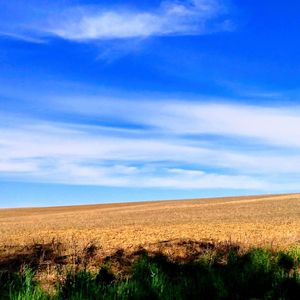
{"type": "Point", "coordinates": [257, 274]}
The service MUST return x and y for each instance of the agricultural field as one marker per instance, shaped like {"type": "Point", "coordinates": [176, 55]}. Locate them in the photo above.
{"type": "Point", "coordinates": [135, 250]}
{"type": "Point", "coordinates": [271, 221]}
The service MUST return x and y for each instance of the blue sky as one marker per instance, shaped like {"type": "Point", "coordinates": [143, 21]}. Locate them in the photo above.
{"type": "Point", "coordinates": [105, 101]}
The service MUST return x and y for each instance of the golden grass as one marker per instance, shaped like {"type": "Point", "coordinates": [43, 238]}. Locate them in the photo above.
{"type": "Point", "coordinates": [272, 220]}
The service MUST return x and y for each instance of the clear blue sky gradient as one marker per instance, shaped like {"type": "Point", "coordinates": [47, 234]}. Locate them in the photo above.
{"type": "Point", "coordinates": [141, 100]}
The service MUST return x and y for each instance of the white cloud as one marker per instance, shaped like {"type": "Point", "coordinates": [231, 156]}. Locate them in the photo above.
{"type": "Point", "coordinates": [36, 22]}
{"type": "Point", "coordinates": [188, 17]}
{"type": "Point", "coordinates": [159, 156]}
{"type": "Point", "coordinates": [277, 126]}
{"type": "Point", "coordinates": [186, 172]}
{"type": "Point", "coordinates": [172, 144]}
{"type": "Point", "coordinates": [17, 166]}
{"type": "Point", "coordinates": [23, 37]}
{"type": "Point", "coordinates": [265, 124]}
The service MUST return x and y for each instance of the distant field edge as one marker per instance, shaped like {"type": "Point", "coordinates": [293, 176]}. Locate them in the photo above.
{"type": "Point", "coordinates": [145, 202]}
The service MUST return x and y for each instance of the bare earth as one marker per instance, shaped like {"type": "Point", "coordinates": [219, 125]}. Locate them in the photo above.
{"type": "Point", "coordinates": [272, 220]}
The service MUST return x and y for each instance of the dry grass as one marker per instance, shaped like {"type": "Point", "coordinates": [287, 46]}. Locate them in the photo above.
{"type": "Point", "coordinates": [55, 240]}
{"type": "Point", "coordinates": [272, 220]}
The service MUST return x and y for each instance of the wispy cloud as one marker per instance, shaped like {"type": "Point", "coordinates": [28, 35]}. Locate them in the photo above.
{"type": "Point", "coordinates": [23, 37]}
{"type": "Point", "coordinates": [171, 18]}
{"type": "Point", "coordinates": [97, 22]}
{"type": "Point", "coordinates": [275, 125]}
{"type": "Point", "coordinates": [170, 146]}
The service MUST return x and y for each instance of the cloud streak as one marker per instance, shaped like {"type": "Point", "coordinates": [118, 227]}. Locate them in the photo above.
{"type": "Point", "coordinates": [170, 146]}
{"type": "Point", "coordinates": [171, 18]}
{"type": "Point", "coordinates": [96, 22]}
{"type": "Point", "coordinates": [277, 126]}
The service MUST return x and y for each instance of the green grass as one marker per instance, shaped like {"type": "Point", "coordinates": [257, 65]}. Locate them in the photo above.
{"type": "Point", "coordinates": [21, 286]}
{"type": "Point", "coordinates": [257, 274]}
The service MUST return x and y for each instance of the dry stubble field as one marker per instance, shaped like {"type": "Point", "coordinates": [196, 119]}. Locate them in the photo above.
{"type": "Point", "coordinates": [272, 220]}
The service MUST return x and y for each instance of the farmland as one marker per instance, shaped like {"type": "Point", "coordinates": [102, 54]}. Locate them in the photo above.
{"type": "Point", "coordinates": [109, 251]}
{"type": "Point", "coordinates": [272, 220]}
